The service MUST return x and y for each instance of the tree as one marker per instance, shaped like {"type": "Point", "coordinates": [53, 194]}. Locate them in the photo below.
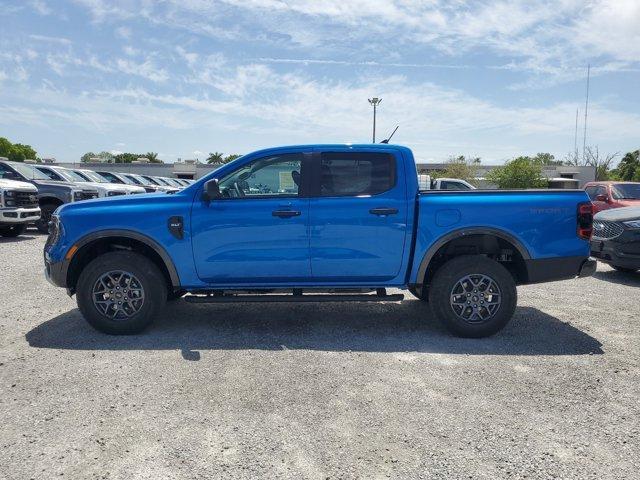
{"type": "Point", "coordinates": [215, 158]}
{"type": "Point", "coordinates": [460, 167]}
{"type": "Point", "coordinates": [521, 172]}
{"type": "Point", "coordinates": [231, 157]}
{"type": "Point", "coordinates": [86, 158]}
{"type": "Point", "coordinates": [601, 163]}
{"type": "Point", "coordinates": [629, 167]}
{"type": "Point", "coordinates": [153, 157]}
{"type": "Point", "coordinates": [546, 159]}
{"type": "Point", "coordinates": [16, 152]}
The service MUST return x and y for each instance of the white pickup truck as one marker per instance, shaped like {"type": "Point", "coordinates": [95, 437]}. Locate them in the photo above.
{"type": "Point", "coordinates": [18, 206]}
{"type": "Point", "coordinates": [427, 183]}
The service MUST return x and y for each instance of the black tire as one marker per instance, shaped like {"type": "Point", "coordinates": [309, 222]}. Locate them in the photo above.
{"type": "Point", "coordinates": [624, 269]}
{"type": "Point", "coordinates": [448, 277]}
{"type": "Point", "coordinates": [153, 284]}
{"type": "Point", "coordinates": [420, 294]}
{"type": "Point", "coordinates": [12, 231]}
{"type": "Point", "coordinates": [46, 210]}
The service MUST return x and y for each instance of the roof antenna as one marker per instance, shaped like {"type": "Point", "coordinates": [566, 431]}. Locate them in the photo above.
{"type": "Point", "coordinates": [392, 133]}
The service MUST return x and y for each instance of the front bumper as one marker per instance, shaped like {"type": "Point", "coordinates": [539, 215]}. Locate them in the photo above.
{"type": "Point", "coordinates": [19, 215]}
{"type": "Point", "coordinates": [621, 251]}
{"type": "Point", "coordinates": [55, 272]}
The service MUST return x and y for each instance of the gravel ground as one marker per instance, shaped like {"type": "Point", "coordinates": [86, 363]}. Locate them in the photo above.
{"type": "Point", "coordinates": [319, 390]}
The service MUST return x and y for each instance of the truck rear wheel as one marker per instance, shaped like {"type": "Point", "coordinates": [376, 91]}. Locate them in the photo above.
{"type": "Point", "coordinates": [120, 293]}
{"type": "Point", "coordinates": [12, 230]}
{"type": "Point", "coordinates": [473, 296]}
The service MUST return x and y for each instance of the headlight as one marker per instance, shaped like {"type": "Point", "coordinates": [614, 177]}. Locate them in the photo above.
{"type": "Point", "coordinates": [56, 230]}
{"type": "Point", "coordinates": [9, 194]}
{"type": "Point", "coordinates": [633, 224]}
{"type": "Point", "coordinates": [76, 195]}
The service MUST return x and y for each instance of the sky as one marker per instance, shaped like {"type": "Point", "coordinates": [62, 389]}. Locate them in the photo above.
{"type": "Point", "coordinates": [493, 78]}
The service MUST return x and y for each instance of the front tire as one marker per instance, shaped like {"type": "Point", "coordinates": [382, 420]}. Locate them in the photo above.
{"type": "Point", "coordinates": [46, 210]}
{"type": "Point", "coordinates": [120, 293]}
{"type": "Point", "coordinates": [473, 296]}
{"type": "Point", "coordinates": [12, 231]}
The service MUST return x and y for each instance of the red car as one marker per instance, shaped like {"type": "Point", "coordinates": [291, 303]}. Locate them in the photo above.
{"type": "Point", "coordinates": [606, 195]}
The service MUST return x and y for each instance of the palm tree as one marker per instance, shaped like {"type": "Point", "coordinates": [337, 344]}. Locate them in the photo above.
{"type": "Point", "coordinates": [215, 158]}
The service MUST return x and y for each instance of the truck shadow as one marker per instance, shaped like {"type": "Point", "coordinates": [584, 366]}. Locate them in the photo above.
{"type": "Point", "coordinates": [630, 279]}
{"type": "Point", "coordinates": [21, 238]}
{"type": "Point", "coordinates": [403, 327]}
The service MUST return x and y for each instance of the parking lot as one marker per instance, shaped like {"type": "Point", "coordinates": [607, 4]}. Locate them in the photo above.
{"type": "Point", "coordinates": [319, 390]}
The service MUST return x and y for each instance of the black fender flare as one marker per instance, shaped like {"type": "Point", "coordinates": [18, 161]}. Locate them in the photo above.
{"type": "Point", "coordinates": [148, 241]}
{"type": "Point", "coordinates": [463, 232]}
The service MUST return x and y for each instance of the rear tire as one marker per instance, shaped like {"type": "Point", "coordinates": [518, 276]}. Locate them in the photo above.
{"type": "Point", "coordinates": [473, 296]}
{"type": "Point", "coordinates": [46, 210]}
{"type": "Point", "coordinates": [12, 231]}
{"type": "Point", "coordinates": [120, 293]}
{"type": "Point", "coordinates": [624, 269]}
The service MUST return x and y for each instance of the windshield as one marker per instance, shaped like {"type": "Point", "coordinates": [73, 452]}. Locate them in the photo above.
{"type": "Point", "coordinates": [152, 181]}
{"type": "Point", "coordinates": [626, 191]}
{"type": "Point", "coordinates": [138, 179]}
{"type": "Point", "coordinates": [29, 172]}
{"type": "Point", "coordinates": [69, 175]}
{"type": "Point", "coordinates": [92, 176]}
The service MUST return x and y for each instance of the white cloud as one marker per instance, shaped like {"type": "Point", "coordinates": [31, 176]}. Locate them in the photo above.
{"type": "Point", "coordinates": [41, 7]}
{"type": "Point", "coordinates": [123, 32]}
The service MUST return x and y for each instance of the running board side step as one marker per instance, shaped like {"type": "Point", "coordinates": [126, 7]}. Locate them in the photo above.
{"type": "Point", "coordinates": [291, 298]}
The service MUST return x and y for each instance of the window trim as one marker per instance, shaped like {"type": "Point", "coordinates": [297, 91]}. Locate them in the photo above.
{"type": "Point", "coordinates": [317, 174]}
{"type": "Point", "coordinates": [303, 189]}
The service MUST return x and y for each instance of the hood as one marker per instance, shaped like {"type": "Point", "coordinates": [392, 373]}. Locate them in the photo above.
{"type": "Point", "coordinates": [15, 184]}
{"type": "Point", "coordinates": [51, 183]}
{"type": "Point", "coordinates": [619, 214]}
{"type": "Point", "coordinates": [109, 187]}
{"type": "Point", "coordinates": [629, 202]}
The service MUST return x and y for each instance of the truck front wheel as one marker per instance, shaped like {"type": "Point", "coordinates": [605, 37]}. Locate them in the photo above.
{"type": "Point", "coordinates": [12, 230]}
{"type": "Point", "coordinates": [120, 293]}
{"type": "Point", "coordinates": [473, 296]}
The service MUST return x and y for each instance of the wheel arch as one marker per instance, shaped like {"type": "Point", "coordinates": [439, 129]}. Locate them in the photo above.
{"type": "Point", "coordinates": [474, 232]}
{"type": "Point", "coordinates": [108, 240]}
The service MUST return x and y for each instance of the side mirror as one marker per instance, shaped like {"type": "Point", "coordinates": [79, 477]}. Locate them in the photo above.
{"type": "Point", "coordinates": [212, 189]}
{"type": "Point", "coordinates": [601, 198]}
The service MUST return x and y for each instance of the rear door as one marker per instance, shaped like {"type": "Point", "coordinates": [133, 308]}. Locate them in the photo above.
{"type": "Point", "coordinates": [358, 216]}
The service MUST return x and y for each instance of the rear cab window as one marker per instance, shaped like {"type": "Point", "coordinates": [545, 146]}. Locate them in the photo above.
{"type": "Point", "coordinates": [356, 173]}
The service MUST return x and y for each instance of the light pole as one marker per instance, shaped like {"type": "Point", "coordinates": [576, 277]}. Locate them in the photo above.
{"type": "Point", "coordinates": [375, 101]}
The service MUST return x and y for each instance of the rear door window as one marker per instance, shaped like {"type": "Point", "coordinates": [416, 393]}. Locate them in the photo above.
{"type": "Point", "coordinates": [356, 173]}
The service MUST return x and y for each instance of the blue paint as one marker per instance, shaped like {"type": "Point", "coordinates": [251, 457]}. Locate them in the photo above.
{"type": "Point", "coordinates": [334, 241]}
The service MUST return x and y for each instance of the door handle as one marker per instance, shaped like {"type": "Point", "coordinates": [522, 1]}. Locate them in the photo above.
{"type": "Point", "coordinates": [285, 213]}
{"type": "Point", "coordinates": [383, 211]}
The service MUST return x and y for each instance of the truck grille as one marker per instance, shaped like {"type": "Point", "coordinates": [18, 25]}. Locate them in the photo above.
{"type": "Point", "coordinates": [26, 199]}
{"type": "Point", "coordinates": [606, 230]}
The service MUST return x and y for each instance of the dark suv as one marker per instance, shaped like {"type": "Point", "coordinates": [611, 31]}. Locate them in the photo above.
{"type": "Point", "coordinates": [50, 194]}
{"type": "Point", "coordinates": [616, 238]}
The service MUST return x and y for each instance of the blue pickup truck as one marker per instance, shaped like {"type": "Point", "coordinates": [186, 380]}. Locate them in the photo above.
{"type": "Point", "coordinates": [313, 224]}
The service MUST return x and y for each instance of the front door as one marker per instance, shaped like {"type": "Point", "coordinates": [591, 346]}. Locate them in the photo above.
{"type": "Point", "coordinates": [358, 217]}
{"type": "Point", "coordinates": [258, 231]}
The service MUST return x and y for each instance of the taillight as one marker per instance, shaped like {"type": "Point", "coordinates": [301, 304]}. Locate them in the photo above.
{"type": "Point", "coordinates": [585, 220]}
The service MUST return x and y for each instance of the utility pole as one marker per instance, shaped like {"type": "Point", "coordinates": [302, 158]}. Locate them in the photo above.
{"type": "Point", "coordinates": [375, 101]}
{"type": "Point", "coordinates": [586, 108]}
{"type": "Point", "coordinates": [575, 138]}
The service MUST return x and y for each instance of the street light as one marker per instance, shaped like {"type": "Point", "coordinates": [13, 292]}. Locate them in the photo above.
{"type": "Point", "coordinates": [375, 101]}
